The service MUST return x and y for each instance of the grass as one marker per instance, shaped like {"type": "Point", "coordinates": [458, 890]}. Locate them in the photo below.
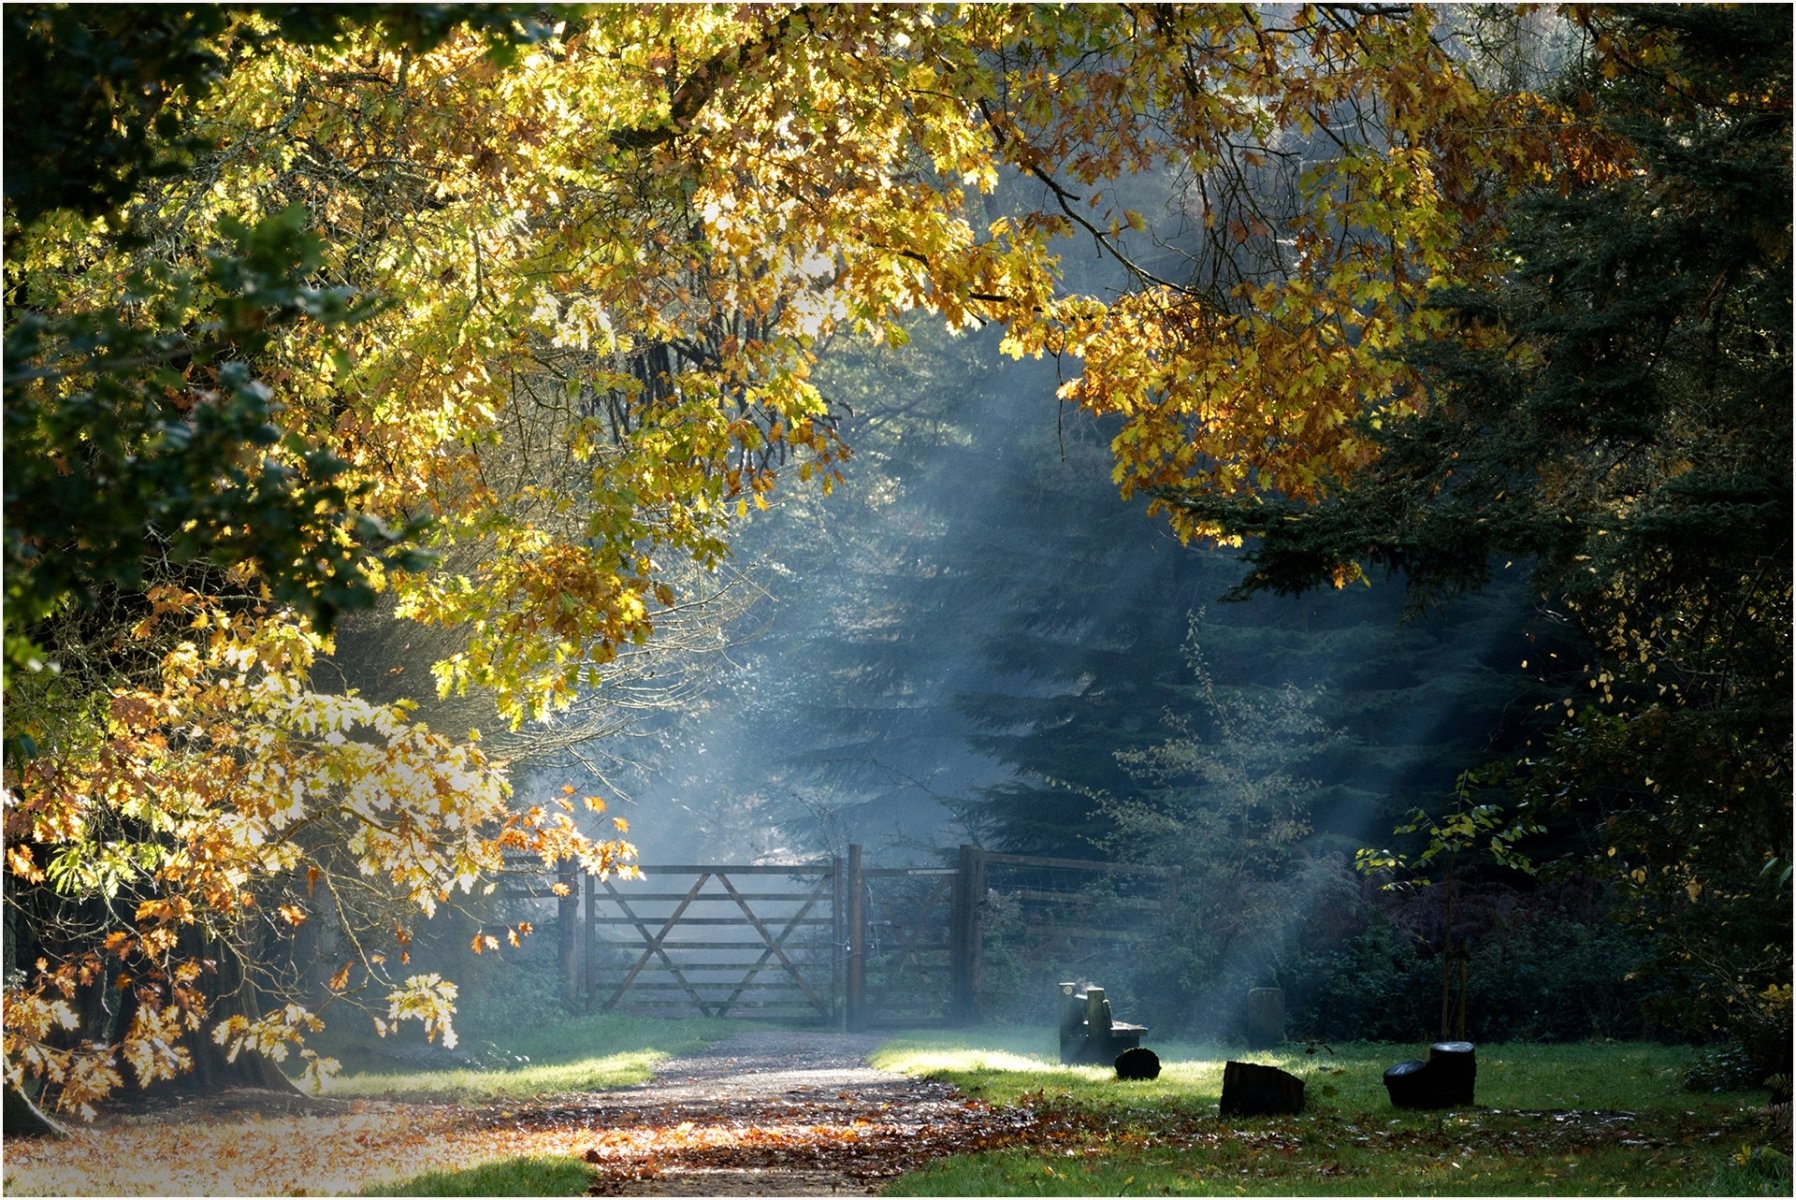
{"type": "Point", "coordinates": [526, 1175]}
{"type": "Point", "coordinates": [1586, 1119]}
{"type": "Point", "coordinates": [1577, 1119]}
{"type": "Point", "coordinates": [543, 1057]}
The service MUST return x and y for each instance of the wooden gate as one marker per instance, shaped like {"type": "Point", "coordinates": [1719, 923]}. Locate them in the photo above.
{"type": "Point", "coordinates": [838, 943]}
{"type": "Point", "coordinates": [747, 940]}
{"type": "Point", "coordinates": [904, 965]}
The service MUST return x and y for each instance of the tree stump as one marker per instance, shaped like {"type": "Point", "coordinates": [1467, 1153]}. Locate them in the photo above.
{"type": "Point", "coordinates": [1137, 1063]}
{"type": "Point", "coordinates": [1444, 1081]}
{"type": "Point", "coordinates": [1407, 1083]}
{"type": "Point", "coordinates": [1252, 1090]}
{"type": "Point", "coordinates": [1454, 1069]}
{"type": "Point", "coordinates": [1088, 1033]}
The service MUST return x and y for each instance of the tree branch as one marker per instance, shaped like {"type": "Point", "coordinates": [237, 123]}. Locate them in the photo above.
{"type": "Point", "coordinates": [698, 88]}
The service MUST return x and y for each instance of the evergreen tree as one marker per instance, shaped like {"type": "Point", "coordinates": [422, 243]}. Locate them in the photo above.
{"type": "Point", "coordinates": [1617, 412]}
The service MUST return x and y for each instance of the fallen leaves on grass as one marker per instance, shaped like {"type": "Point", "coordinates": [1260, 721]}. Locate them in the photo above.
{"type": "Point", "coordinates": [266, 1145]}
{"type": "Point", "coordinates": [847, 1137]}
{"type": "Point", "coordinates": [269, 1144]}
{"type": "Point", "coordinates": [817, 1140]}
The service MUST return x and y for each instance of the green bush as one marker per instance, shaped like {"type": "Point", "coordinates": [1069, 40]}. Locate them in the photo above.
{"type": "Point", "coordinates": [1542, 968]}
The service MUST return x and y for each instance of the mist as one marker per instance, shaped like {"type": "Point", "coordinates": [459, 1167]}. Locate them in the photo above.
{"type": "Point", "coordinates": [976, 580]}
{"type": "Point", "coordinates": [964, 642]}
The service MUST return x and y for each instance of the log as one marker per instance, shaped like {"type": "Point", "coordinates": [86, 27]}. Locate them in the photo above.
{"type": "Point", "coordinates": [1137, 1062]}
{"type": "Point", "coordinates": [1252, 1090]}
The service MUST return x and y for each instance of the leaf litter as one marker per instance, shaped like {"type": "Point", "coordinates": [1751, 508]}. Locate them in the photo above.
{"type": "Point", "coordinates": [766, 1113]}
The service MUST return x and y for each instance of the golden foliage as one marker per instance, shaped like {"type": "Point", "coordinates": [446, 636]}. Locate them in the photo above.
{"type": "Point", "coordinates": [605, 270]}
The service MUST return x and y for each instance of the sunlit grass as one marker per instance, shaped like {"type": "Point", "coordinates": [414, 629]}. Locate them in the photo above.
{"type": "Point", "coordinates": [1002, 1064]}
{"type": "Point", "coordinates": [526, 1175]}
{"type": "Point", "coordinates": [1584, 1118]}
{"type": "Point", "coordinates": [592, 1073]}
{"type": "Point", "coordinates": [542, 1058]}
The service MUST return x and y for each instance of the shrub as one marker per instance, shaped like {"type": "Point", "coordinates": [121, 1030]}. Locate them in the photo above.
{"type": "Point", "coordinates": [1545, 965]}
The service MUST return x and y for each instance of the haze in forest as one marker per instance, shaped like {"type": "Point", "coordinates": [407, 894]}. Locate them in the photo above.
{"type": "Point", "coordinates": [925, 645]}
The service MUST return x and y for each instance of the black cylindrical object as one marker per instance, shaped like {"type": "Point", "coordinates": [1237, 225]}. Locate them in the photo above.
{"type": "Point", "coordinates": [1407, 1082]}
{"type": "Point", "coordinates": [1452, 1071]}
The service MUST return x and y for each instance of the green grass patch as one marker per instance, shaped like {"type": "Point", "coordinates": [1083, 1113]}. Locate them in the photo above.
{"type": "Point", "coordinates": [527, 1175]}
{"type": "Point", "coordinates": [543, 1058]}
{"type": "Point", "coordinates": [1598, 1118]}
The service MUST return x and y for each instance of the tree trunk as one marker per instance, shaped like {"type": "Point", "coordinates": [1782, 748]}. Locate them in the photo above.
{"type": "Point", "coordinates": [23, 1118]}
{"type": "Point", "coordinates": [213, 1070]}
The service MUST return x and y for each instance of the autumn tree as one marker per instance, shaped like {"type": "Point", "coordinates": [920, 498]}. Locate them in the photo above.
{"type": "Point", "coordinates": [589, 281]}
{"type": "Point", "coordinates": [177, 796]}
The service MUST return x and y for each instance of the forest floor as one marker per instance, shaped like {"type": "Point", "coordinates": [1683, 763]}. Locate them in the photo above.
{"type": "Point", "coordinates": [800, 1113]}
{"type": "Point", "coordinates": [772, 1112]}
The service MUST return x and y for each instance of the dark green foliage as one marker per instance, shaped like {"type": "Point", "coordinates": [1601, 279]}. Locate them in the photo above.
{"type": "Point", "coordinates": [138, 443]}
{"type": "Point", "coordinates": [1623, 424]}
{"type": "Point", "coordinates": [139, 439]}
{"type": "Point", "coordinates": [1546, 965]}
{"type": "Point", "coordinates": [98, 94]}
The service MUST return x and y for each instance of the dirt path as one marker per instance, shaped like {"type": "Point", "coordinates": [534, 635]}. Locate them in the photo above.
{"type": "Point", "coordinates": [768, 1113]}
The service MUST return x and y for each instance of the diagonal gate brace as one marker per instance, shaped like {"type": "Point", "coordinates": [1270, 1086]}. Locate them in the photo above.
{"type": "Point", "coordinates": [653, 948]}
{"type": "Point", "coordinates": [775, 945]}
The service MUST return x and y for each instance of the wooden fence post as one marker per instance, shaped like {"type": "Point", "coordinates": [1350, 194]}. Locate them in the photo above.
{"type": "Point", "coordinates": [838, 937]}
{"type": "Point", "coordinates": [567, 921]}
{"type": "Point", "coordinates": [966, 937]}
{"type": "Point", "coordinates": [589, 945]}
{"type": "Point", "coordinates": [857, 943]}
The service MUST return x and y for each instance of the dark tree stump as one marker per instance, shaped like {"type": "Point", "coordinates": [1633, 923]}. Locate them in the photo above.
{"type": "Point", "coordinates": [1252, 1090]}
{"type": "Point", "coordinates": [1088, 1033]}
{"type": "Point", "coordinates": [1454, 1069]}
{"type": "Point", "coordinates": [1137, 1063]}
{"type": "Point", "coordinates": [1444, 1081]}
{"type": "Point", "coordinates": [1407, 1083]}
